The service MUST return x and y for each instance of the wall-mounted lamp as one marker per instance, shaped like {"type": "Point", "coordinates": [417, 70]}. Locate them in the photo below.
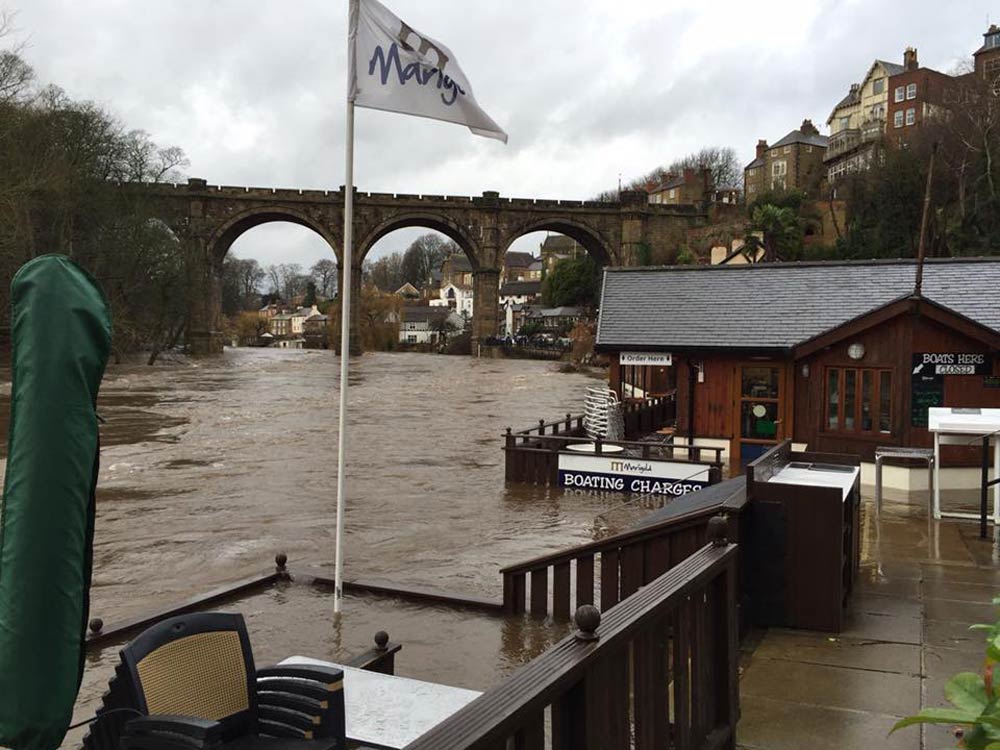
{"type": "Point", "coordinates": [805, 370]}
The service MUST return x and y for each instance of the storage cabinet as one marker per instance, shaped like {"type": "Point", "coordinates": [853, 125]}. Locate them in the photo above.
{"type": "Point", "coordinates": [803, 538]}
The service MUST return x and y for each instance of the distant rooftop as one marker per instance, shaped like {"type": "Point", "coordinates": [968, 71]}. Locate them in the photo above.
{"type": "Point", "coordinates": [519, 288]}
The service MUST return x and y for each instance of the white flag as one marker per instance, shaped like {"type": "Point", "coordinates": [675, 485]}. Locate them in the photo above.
{"type": "Point", "coordinates": [397, 69]}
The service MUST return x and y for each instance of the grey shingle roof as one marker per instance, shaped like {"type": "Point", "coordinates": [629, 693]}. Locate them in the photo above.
{"type": "Point", "coordinates": [797, 136]}
{"type": "Point", "coordinates": [893, 69]}
{"type": "Point", "coordinates": [515, 259]}
{"type": "Point", "coordinates": [518, 288]}
{"type": "Point", "coordinates": [780, 305]}
{"type": "Point", "coordinates": [422, 313]}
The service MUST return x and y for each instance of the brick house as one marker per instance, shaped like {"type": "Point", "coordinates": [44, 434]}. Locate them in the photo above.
{"type": "Point", "coordinates": [793, 163]}
{"type": "Point", "coordinates": [516, 266]}
{"type": "Point", "coordinates": [691, 187]}
{"type": "Point", "coordinates": [987, 57]}
{"type": "Point", "coordinates": [914, 95]}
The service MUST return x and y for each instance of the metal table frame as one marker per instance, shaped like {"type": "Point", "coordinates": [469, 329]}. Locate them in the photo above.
{"type": "Point", "coordinates": [893, 451]}
{"type": "Point", "coordinates": [948, 429]}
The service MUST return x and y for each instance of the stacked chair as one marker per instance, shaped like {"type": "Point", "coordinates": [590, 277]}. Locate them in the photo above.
{"type": "Point", "coordinates": [189, 682]}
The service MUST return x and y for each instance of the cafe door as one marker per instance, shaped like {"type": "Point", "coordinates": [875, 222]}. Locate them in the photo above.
{"type": "Point", "coordinates": [760, 410]}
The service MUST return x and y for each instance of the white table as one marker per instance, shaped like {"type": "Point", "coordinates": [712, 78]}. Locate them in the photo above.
{"type": "Point", "coordinates": [591, 448]}
{"type": "Point", "coordinates": [964, 427]}
{"type": "Point", "coordinates": [390, 711]}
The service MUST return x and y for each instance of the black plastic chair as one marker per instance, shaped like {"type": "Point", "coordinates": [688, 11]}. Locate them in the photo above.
{"type": "Point", "coordinates": [193, 678]}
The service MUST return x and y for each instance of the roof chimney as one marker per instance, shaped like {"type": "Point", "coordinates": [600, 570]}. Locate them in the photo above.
{"type": "Point", "coordinates": [855, 88]}
{"type": "Point", "coordinates": [761, 148]}
{"type": "Point", "coordinates": [688, 175]}
{"type": "Point", "coordinates": [910, 58]}
{"type": "Point", "coordinates": [807, 128]}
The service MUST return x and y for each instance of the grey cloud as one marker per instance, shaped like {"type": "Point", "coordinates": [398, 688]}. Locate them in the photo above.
{"type": "Point", "coordinates": [254, 91]}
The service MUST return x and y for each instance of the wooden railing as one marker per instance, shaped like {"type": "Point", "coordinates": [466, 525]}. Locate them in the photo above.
{"type": "Point", "coordinates": [642, 416]}
{"type": "Point", "coordinates": [531, 456]}
{"type": "Point", "coordinates": [609, 570]}
{"type": "Point", "coordinates": [659, 670]}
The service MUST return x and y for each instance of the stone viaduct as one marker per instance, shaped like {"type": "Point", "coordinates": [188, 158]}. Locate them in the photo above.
{"type": "Point", "coordinates": [208, 219]}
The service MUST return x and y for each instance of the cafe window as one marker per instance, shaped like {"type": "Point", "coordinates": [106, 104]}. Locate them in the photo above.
{"type": "Point", "coordinates": [858, 400]}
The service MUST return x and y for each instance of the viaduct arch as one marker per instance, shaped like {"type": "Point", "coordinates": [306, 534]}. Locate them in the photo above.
{"type": "Point", "coordinates": [209, 218]}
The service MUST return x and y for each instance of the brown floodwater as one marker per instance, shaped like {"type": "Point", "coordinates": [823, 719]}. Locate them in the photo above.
{"type": "Point", "coordinates": [211, 466]}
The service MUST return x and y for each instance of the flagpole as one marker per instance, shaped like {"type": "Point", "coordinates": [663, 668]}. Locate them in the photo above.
{"type": "Point", "coordinates": [345, 325]}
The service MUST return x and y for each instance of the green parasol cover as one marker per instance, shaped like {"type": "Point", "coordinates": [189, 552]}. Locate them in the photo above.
{"type": "Point", "coordinates": [61, 338]}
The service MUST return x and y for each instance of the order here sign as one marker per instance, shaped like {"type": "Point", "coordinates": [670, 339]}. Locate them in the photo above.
{"type": "Point", "coordinates": [631, 475]}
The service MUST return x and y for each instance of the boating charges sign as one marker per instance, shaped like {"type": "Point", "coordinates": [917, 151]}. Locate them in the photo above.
{"type": "Point", "coordinates": [631, 475]}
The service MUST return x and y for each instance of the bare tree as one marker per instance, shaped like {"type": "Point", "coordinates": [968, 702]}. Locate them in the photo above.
{"type": "Point", "coordinates": [721, 161]}
{"type": "Point", "coordinates": [324, 275]}
{"type": "Point", "coordinates": [293, 282]}
{"type": "Point", "coordinates": [424, 254]}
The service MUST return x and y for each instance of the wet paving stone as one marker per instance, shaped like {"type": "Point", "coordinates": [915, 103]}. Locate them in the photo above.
{"type": "Point", "coordinates": [836, 651]}
{"type": "Point", "coordinates": [815, 684]}
{"type": "Point", "coordinates": [920, 586]}
{"type": "Point", "coordinates": [780, 725]}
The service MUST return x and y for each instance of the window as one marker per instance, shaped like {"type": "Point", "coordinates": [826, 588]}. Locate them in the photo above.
{"type": "Point", "coordinates": [788, 149]}
{"type": "Point", "coordinates": [911, 91]}
{"type": "Point", "coordinates": [845, 123]}
{"type": "Point", "coordinates": [911, 116]}
{"type": "Point", "coordinates": [878, 85]}
{"type": "Point", "coordinates": [899, 94]}
{"type": "Point", "coordinates": [759, 398]}
{"type": "Point", "coordinates": [779, 169]}
{"type": "Point", "coordinates": [809, 149]}
{"type": "Point", "coordinates": [411, 339]}
{"type": "Point", "coordinates": [858, 400]}
{"type": "Point", "coordinates": [673, 193]}
{"type": "Point", "coordinates": [897, 119]}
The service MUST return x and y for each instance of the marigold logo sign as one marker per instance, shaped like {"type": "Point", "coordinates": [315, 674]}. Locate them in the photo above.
{"type": "Point", "coordinates": [672, 478]}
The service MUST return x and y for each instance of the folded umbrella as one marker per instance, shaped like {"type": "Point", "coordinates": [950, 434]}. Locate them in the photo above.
{"type": "Point", "coordinates": [61, 338]}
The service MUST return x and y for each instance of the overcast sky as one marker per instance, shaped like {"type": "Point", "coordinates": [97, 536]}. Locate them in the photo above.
{"type": "Point", "coordinates": [253, 90]}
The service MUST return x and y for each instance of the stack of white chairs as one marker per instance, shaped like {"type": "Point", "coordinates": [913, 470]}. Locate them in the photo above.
{"type": "Point", "coordinates": [602, 415]}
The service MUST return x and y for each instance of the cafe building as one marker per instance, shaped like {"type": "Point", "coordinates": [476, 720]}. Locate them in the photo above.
{"type": "Point", "coordinates": [840, 357]}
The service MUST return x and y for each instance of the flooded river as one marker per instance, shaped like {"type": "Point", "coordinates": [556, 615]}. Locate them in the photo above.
{"type": "Point", "coordinates": [210, 467]}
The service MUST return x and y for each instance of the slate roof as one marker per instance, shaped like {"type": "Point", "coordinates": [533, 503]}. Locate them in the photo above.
{"type": "Point", "coordinates": [758, 162]}
{"type": "Point", "coordinates": [778, 306]}
{"type": "Point", "coordinates": [853, 97]}
{"type": "Point", "coordinates": [797, 136]}
{"type": "Point", "coordinates": [671, 181]}
{"type": "Point", "coordinates": [893, 69]}
{"type": "Point", "coordinates": [460, 263]}
{"type": "Point", "coordinates": [519, 288]}
{"type": "Point", "coordinates": [558, 243]}
{"type": "Point", "coordinates": [515, 259]}
{"type": "Point", "coordinates": [558, 312]}
{"type": "Point", "coordinates": [424, 313]}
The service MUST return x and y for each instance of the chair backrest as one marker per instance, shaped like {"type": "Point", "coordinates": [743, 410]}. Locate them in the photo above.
{"type": "Point", "coordinates": [196, 665]}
